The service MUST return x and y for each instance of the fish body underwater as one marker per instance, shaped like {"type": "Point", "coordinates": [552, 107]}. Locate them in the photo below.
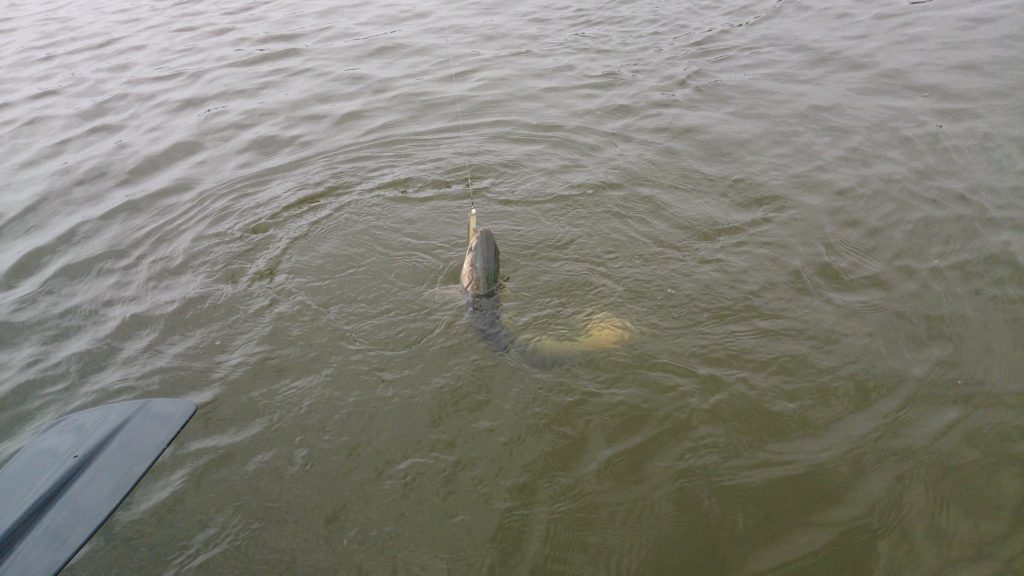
{"type": "Point", "coordinates": [481, 280]}
{"type": "Point", "coordinates": [481, 284]}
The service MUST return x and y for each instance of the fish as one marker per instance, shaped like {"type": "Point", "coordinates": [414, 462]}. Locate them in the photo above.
{"type": "Point", "coordinates": [481, 285]}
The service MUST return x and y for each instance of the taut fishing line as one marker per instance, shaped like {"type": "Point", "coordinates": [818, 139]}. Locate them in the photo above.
{"type": "Point", "coordinates": [458, 106]}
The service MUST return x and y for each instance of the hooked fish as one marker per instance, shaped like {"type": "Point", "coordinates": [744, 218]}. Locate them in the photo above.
{"type": "Point", "coordinates": [481, 283]}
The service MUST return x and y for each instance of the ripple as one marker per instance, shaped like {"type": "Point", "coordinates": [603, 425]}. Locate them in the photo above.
{"type": "Point", "coordinates": [810, 214]}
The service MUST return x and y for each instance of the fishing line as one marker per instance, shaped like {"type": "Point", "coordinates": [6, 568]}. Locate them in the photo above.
{"type": "Point", "coordinates": [458, 105]}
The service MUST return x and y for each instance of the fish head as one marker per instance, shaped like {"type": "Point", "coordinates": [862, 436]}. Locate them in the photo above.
{"type": "Point", "coordinates": [480, 270]}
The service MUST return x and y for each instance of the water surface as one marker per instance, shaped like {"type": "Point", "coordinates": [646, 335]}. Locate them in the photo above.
{"type": "Point", "coordinates": [811, 212]}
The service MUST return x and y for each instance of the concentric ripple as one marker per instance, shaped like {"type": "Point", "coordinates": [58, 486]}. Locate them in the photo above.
{"type": "Point", "coordinates": [809, 211]}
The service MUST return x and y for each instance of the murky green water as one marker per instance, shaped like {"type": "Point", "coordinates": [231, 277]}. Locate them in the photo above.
{"type": "Point", "coordinates": [812, 212]}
